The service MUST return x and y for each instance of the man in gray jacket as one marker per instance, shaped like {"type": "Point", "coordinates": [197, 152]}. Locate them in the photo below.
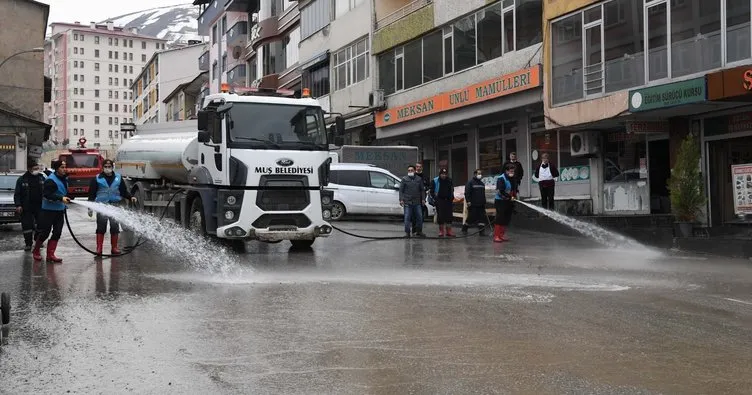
{"type": "Point", "coordinates": [411, 193]}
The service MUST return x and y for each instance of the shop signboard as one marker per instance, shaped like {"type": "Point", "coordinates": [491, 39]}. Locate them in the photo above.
{"type": "Point", "coordinates": [668, 95]}
{"type": "Point", "coordinates": [742, 185]}
{"type": "Point", "coordinates": [504, 85]}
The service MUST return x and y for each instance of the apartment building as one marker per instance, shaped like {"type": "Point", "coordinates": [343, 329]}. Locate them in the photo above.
{"type": "Point", "coordinates": [628, 80]}
{"type": "Point", "coordinates": [92, 68]}
{"type": "Point", "coordinates": [163, 72]}
{"type": "Point", "coordinates": [23, 87]}
{"type": "Point", "coordinates": [253, 43]}
{"type": "Point", "coordinates": [336, 63]}
{"type": "Point", "coordinates": [461, 80]}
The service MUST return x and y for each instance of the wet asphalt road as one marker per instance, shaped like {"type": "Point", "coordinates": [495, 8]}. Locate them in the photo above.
{"type": "Point", "coordinates": [540, 314]}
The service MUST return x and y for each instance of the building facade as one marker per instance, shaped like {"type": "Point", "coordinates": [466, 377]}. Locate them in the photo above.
{"type": "Point", "coordinates": [460, 80]}
{"type": "Point", "coordinates": [92, 68]}
{"type": "Point", "coordinates": [163, 72]}
{"type": "Point", "coordinates": [23, 129]}
{"type": "Point", "coordinates": [627, 81]}
{"type": "Point", "coordinates": [336, 63]}
{"type": "Point", "coordinates": [185, 100]}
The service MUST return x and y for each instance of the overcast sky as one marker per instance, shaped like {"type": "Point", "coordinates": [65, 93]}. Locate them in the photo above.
{"type": "Point", "coordinates": [86, 11]}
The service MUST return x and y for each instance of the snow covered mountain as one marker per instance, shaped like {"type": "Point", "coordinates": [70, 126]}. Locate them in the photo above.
{"type": "Point", "coordinates": [177, 23]}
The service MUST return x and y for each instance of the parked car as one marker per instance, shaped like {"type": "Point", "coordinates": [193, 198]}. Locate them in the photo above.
{"type": "Point", "coordinates": [362, 189]}
{"type": "Point", "coordinates": [7, 189]}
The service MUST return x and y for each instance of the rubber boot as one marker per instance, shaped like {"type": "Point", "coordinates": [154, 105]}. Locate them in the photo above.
{"type": "Point", "coordinates": [503, 233]}
{"type": "Point", "coordinates": [497, 234]}
{"type": "Point", "coordinates": [29, 241]}
{"type": "Point", "coordinates": [100, 244]}
{"type": "Point", "coordinates": [449, 231]}
{"type": "Point", "coordinates": [36, 252]}
{"type": "Point", "coordinates": [441, 230]}
{"type": "Point", "coordinates": [114, 241]}
{"type": "Point", "coordinates": [51, 247]}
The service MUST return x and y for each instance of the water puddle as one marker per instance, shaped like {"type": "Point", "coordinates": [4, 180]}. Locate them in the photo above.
{"type": "Point", "coordinates": [595, 232]}
{"type": "Point", "coordinates": [195, 251]}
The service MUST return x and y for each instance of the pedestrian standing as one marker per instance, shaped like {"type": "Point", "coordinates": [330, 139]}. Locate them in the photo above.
{"type": "Point", "coordinates": [442, 193]}
{"type": "Point", "coordinates": [475, 198]}
{"type": "Point", "coordinates": [546, 174]}
{"type": "Point", "coordinates": [28, 201]}
{"type": "Point", "coordinates": [52, 217]}
{"type": "Point", "coordinates": [426, 185]}
{"type": "Point", "coordinates": [411, 193]}
{"type": "Point", "coordinates": [108, 187]}
{"type": "Point", "coordinates": [504, 203]}
{"type": "Point", "coordinates": [518, 172]}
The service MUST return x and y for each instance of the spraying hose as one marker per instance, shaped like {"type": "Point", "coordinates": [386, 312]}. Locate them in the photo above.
{"type": "Point", "coordinates": [139, 243]}
{"type": "Point", "coordinates": [405, 237]}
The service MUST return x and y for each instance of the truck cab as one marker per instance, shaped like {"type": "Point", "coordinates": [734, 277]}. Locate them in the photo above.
{"type": "Point", "coordinates": [83, 165]}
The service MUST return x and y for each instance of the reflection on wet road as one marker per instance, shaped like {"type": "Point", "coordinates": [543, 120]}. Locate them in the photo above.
{"type": "Point", "coordinates": [541, 314]}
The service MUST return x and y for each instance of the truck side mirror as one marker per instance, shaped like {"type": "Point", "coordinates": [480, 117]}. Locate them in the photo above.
{"type": "Point", "coordinates": [203, 120]}
{"type": "Point", "coordinates": [340, 124]}
{"type": "Point", "coordinates": [203, 136]}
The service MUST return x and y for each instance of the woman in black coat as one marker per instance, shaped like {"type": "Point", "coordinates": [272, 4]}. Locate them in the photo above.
{"type": "Point", "coordinates": [442, 194]}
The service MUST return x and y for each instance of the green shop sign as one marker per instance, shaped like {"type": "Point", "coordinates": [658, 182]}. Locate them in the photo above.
{"type": "Point", "coordinates": [573, 173]}
{"type": "Point", "coordinates": [668, 95]}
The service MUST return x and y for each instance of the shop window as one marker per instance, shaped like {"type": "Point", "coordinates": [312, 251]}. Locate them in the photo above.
{"type": "Point", "coordinates": [567, 59]}
{"type": "Point", "coordinates": [432, 57]}
{"type": "Point", "coordinates": [489, 33]}
{"type": "Point", "coordinates": [317, 79]}
{"type": "Point", "coordinates": [545, 142]}
{"type": "Point", "coordinates": [623, 154]}
{"type": "Point", "coordinates": [695, 37]}
{"type": "Point", "coordinates": [464, 43]}
{"type": "Point", "coordinates": [737, 30]}
{"type": "Point", "coordinates": [489, 150]}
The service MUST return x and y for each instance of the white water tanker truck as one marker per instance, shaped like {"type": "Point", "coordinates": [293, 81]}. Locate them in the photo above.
{"type": "Point", "coordinates": [253, 166]}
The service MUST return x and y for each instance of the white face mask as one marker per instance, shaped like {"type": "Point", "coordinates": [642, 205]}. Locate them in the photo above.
{"type": "Point", "coordinates": [35, 172]}
{"type": "Point", "coordinates": [479, 176]}
{"type": "Point", "coordinates": [108, 171]}
{"type": "Point", "coordinates": [410, 174]}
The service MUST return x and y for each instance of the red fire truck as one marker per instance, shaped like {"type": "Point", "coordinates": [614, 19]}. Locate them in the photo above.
{"type": "Point", "coordinates": [83, 165]}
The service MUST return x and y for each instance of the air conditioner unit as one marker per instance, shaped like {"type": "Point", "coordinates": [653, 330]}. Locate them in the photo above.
{"type": "Point", "coordinates": [582, 143]}
{"type": "Point", "coordinates": [376, 99]}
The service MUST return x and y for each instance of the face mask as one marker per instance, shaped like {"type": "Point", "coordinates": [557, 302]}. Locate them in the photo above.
{"type": "Point", "coordinates": [411, 174]}
{"type": "Point", "coordinates": [479, 176]}
{"type": "Point", "coordinates": [108, 171]}
{"type": "Point", "coordinates": [545, 165]}
{"type": "Point", "coordinates": [35, 172]}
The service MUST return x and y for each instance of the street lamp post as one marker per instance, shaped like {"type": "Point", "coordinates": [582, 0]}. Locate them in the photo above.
{"type": "Point", "coordinates": [38, 49]}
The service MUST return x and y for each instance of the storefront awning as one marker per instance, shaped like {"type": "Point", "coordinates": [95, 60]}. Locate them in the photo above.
{"type": "Point", "coordinates": [36, 132]}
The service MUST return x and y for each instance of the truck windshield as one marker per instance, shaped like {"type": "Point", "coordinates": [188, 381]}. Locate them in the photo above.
{"type": "Point", "coordinates": [276, 126]}
{"type": "Point", "coordinates": [78, 161]}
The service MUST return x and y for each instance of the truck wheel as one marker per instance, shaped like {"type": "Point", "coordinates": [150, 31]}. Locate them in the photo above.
{"type": "Point", "coordinates": [301, 244]}
{"type": "Point", "coordinates": [5, 307]}
{"type": "Point", "coordinates": [338, 211]}
{"type": "Point", "coordinates": [196, 221]}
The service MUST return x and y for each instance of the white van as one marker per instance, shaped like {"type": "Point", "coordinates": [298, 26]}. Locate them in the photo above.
{"type": "Point", "coordinates": [362, 189]}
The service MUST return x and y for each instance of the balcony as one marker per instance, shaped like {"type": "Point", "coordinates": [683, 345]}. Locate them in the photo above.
{"type": "Point", "coordinates": [236, 76]}
{"type": "Point", "coordinates": [203, 61]}
{"type": "Point", "coordinates": [210, 11]}
{"type": "Point", "coordinates": [237, 35]}
{"type": "Point", "coordinates": [390, 11]}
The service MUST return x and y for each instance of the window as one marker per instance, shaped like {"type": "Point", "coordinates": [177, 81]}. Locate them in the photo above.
{"type": "Point", "coordinates": [110, 120]}
{"type": "Point", "coordinates": [117, 68]}
{"type": "Point", "coordinates": [622, 153]}
{"type": "Point", "coordinates": [275, 59]}
{"type": "Point", "coordinates": [75, 50]}
{"type": "Point", "coordinates": [75, 77]}
{"type": "Point", "coordinates": [96, 53]}
{"type": "Point", "coordinates": [130, 58]}
{"type": "Point", "coordinates": [110, 107]}
{"type": "Point", "coordinates": [567, 59]}
{"type": "Point", "coordinates": [490, 33]}
{"type": "Point", "coordinates": [342, 7]}
{"type": "Point", "coordinates": [75, 37]}
{"type": "Point", "coordinates": [81, 91]}
{"type": "Point", "coordinates": [387, 72]}
{"type": "Point", "coordinates": [81, 51]}
{"type": "Point", "coordinates": [143, 57]}
{"type": "Point", "coordinates": [224, 63]}
{"type": "Point", "coordinates": [277, 6]}
{"type": "Point", "coordinates": [116, 120]}
{"type": "Point", "coordinates": [464, 43]}
{"type": "Point", "coordinates": [96, 91]}
{"type": "Point", "coordinates": [317, 79]}
{"type": "Point", "coordinates": [96, 66]}
{"type": "Point", "coordinates": [96, 108]}
{"type": "Point", "coordinates": [130, 68]}
{"type": "Point", "coordinates": [109, 54]}
{"type": "Point", "coordinates": [96, 80]}
{"type": "Point", "coordinates": [109, 40]}
{"type": "Point", "coordinates": [110, 133]}
{"type": "Point", "coordinates": [381, 180]}
{"type": "Point", "coordinates": [110, 94]}
{"type": "Point", "coordinates": [352, 178]}
{"type": "Point", "coordinates": [75, 132]}
{"type": "Point", "coordinates": [82, 132]}
{"type": "Point", "coordinates": [81, 117]}
{"type": "Point", "coordinates": [110, 81]}
{"type": "Point", "coordinates": [109, 67]}
{"type": "Point", "coordinates": [117, 55]}
{"type": "Point", "coordinates": [143, 44]}
{"type": "Point", "coordinates": [75, 118]}
{"type": "Point", "coordinates": [81, 105]}
{"type": "Point", "coordinates": [75, 91]}
{"type": "Point", "coordinates": [528, 34]}
{"type": "Point", "coordinates": [96, 133]}
{"type": "Point", "coordinates": [75, 104]}
{"type": "Point", "coordinates": [314, 17]}
{"type": "Point", "coordinates": [490, 156]}
{"type": "Point", "coordinates": [117, 108]}
{"type": "Point", "coordinates": [214, 34]}
{"type": "Point", "coordinates": [116, 42]}
{"type": "Point", "coordinates": [351, 64]}
{"type": "Point", "coordinates": [75, 64]}
{"type": "Point", "coordinates": [737, 30]}
{"type": "Point", "coordinates": [130, 43]}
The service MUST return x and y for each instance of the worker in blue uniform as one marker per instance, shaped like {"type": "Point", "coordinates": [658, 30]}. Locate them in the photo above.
{"type": "Point", "coordinates": [108, 187]}
{"type": "Point", "coordinates": [52, 217]}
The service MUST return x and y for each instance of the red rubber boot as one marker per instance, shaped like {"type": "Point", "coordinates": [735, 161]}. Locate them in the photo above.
{"type": "Point", "coordinates": [100, 244]}
{"type": "Point", "coordinates": [503, 233]}
{"type": "Point", "coordinates": [51, 247]}
{"type": "Point", "coordinates": [36, 252]}
{"type": "Point", "coordinates": [497, 234]}
{"type": "Point", "coordinates": [441, 230]}
{"type": "Point", "coordinates": [449, 231]}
